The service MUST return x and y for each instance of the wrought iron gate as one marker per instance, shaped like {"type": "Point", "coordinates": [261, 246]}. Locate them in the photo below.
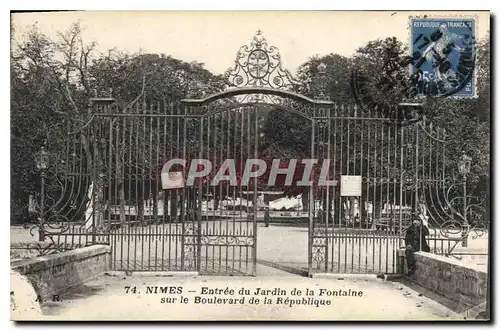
{"type": "Point", "coordinates": [108, 178]}
{"type": "Point", "coordinates": [362, 233]}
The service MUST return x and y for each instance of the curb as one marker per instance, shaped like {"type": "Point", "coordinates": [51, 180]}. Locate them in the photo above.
{"type": "Point", "coordinates": [289, 269]}
{"type": "Point", "coordinates": [152, 273]}
{"type": "Point", "coordinates": [391, 277]}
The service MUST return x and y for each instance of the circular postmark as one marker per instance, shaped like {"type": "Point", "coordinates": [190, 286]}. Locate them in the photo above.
{"type": "Point", "coordinates": [380, 79]}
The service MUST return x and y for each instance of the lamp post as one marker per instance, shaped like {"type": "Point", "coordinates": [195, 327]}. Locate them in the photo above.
{"type": "Point", "coordinates": [322, 68]}
{"type": "Point", "coordinates": [321, 81]}
{"type": "Point", "coordinates": [464, 169]}
{"type": "Point", "coordinates": [42, 163]}
{"type": "Point", "coordinates": [408, 113]}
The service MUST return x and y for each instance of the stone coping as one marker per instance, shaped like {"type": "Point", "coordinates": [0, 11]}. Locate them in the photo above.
{"type": "Point", "coordinates": [24, 244]}
{"type": "Point", "coordinates": [53, 260]}
{"type": "Point", "coordinates": [449, 260]}
{"type": "Point", "coordinates": [445, 259]}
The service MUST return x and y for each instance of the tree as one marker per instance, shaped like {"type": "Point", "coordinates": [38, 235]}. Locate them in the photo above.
{"type": "Point", "coordinates": [380, 76]}
{"type": "Point", "coordinates": [37, 98]}
{"type": "Point", "coordinates": [337, 73]}
{"type": "Point", "coordinates": [58, 78]}
{"type": "Point", "coordinates": [64, 64]}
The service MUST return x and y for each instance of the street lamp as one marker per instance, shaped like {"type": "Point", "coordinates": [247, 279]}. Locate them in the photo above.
{"type": "Point", "coordinates": [42, 163]}
{"type": "Point", "coordinates": [103, 97]}
{"type": "Point", "coordinates": [321, 81]}
{"type": "Point", "coordinates": [322, 68]}
{"type": "Point", "coordinates": [408, 112]}
{"type": "Point", "coordinates": [464, 164]}
{"type": "Point", "coordinates": [464, 169]}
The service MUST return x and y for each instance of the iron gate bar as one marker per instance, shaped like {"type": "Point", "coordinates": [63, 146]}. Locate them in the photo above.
{"type": "Point", "coordinates": [254, 217]}
{"type": "Point", "coordinates": [327, 189]}
{"type": "Point", "coordinates": [311, 206]}
{"type": "Point", "coordinates": [200, 194]}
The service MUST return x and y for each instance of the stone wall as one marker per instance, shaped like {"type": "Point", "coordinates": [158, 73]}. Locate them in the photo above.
{"type": "Point", "coordinates": [55, 273]}
{"type": "Point", "coordinates": [450, 278]}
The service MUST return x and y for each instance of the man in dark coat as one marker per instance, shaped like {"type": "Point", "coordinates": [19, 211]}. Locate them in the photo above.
{"type": "Point", "coordinates": [267, 218]}
{"type": "Point", "coordinates": [415, 240]}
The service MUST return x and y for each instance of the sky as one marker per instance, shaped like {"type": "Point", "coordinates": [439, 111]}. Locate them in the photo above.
{"type": "Point", "coordinates": [214, 37]}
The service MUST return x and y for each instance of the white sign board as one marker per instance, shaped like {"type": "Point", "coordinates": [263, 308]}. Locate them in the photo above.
{"type": "Point", "coordinates": [350, 186]}
{"type": "Point", "coordinates": [172, 180]}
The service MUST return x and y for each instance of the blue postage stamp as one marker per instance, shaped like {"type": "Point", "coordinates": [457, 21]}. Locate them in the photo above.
{"type": "Point", "coordinates": [443, 51]}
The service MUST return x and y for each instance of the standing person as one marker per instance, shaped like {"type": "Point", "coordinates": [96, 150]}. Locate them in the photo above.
{"type": "Point", "coordinates": [267, 218]}
{"type": "Point", "coordinates": [415, 240]}
{"type": "Point", "coordinates": [356, 220]}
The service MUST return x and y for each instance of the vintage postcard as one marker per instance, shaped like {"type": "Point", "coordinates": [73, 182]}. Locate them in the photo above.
{"type": "Point", "coordinates": [200, 166]}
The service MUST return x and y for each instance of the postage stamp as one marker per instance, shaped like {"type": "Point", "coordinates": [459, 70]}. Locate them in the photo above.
{"type": "Point", "coordinates": [444, 55]}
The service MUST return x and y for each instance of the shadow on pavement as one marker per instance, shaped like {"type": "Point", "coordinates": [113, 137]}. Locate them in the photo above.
{"type": "Point", "coordinates": [468, 311]}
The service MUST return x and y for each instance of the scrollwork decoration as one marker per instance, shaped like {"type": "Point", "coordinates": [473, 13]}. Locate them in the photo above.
{"type": "Point", "coordinates": [449, 215]}
{"type": "Point", "coordinates": [51, 247]}
{"type": "Point", "coordinates": [227, 240]}
{"type": "Point", "coordinates": [318, 255]}
{"type": "Point", "coordinates": [322, 123]}
{"type": "Point", "coordinates": [190, 235]}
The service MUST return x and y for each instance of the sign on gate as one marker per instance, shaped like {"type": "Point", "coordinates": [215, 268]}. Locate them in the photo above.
{"type": "Point", "coordinates": [350, 186]}
{"type": "Point", "coordinates": [172, 180]}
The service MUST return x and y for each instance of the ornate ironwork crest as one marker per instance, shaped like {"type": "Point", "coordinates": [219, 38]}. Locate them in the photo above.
{"type": "Point", "coordinates": [259, 65]}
